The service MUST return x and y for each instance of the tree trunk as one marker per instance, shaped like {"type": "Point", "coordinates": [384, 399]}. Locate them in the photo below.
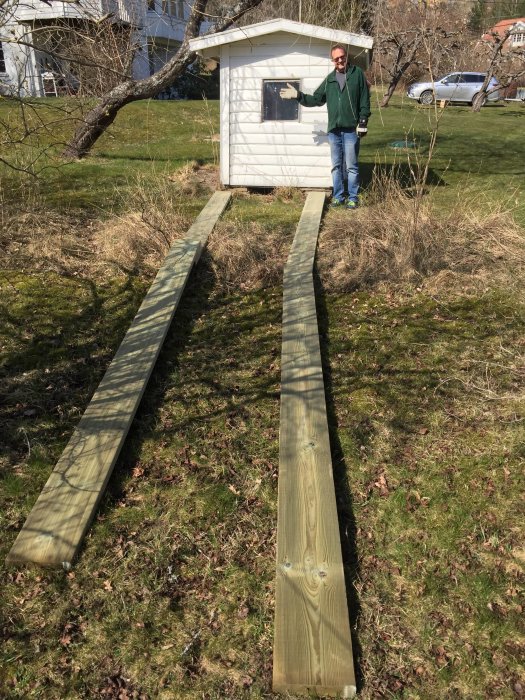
{"type": "Point", "coordinates": [103, 114]}
{"type": "Point", "coordinates": [389, 91]}
{"type": "Point", "coordinates": [403, 62]}
{"type": "Point", "coordinates": [97, 120]}
{"type": "Point", "coordinates": [478, 101]}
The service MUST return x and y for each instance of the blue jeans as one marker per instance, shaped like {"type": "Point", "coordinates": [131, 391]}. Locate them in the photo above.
{"type": "Point", "coordinates": [344, 150]}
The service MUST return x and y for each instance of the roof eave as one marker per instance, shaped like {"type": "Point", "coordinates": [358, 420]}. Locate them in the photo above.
{"type": "Point", "coordinates": [280, 25]}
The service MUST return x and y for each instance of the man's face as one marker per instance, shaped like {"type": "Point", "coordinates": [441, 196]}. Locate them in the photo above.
{"type": "Point", "coordinates": [339, 60]}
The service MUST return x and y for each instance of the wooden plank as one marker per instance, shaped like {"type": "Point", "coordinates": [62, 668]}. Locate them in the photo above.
{"type": "Point", "coordinates": [312, 644]}
{"type": "Point", "coordinates": [62, 513]}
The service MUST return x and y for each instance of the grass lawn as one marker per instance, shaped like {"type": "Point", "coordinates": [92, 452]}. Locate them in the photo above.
{"type": "Point", "coordinates": [477, 156]}
{"type": "Point", "coordinates": [172, 595]}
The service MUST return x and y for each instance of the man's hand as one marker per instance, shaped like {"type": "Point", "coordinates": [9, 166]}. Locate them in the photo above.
{"type": "Point", "coordinates": [362, 128]}
{"type": "Point", "coordinates": [288, 93]}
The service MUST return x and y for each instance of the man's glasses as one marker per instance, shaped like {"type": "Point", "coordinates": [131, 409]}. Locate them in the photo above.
{"type": "Point", "coordinates": [339, 59]}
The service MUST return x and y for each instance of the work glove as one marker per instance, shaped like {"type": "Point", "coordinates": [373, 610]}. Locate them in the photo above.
{"type": "Point", "coordinates": [362, 128]}
{"type": "Point", "coordinates": [288, 93]}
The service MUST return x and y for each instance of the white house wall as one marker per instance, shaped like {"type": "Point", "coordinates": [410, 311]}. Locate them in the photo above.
{"type": "Point", "coordinates": [128, 11]}
{"type": "Point", "coordinates": [154, 28]}
{"type": "Point", "coordinates": [275, 153]}
{"type": "Point", "coordinates": [21, 76]}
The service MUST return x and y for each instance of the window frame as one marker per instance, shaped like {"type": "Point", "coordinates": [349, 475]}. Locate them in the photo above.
{"type": "Point", "coordinates": [296, 82]}
{"type": "Point", "coordinates": [173, 8]}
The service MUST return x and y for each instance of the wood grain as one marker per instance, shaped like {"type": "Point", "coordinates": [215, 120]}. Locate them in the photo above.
{"type": "Point", "coordinates": [312, 645]}
{"type": "Point", "coordinates": [61, 516]}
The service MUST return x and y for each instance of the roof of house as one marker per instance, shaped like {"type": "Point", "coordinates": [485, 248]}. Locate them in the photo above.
{"type": "Point", "coordinates": [503, 26]}
{"type": "Point", "coordinates": [335, 36]}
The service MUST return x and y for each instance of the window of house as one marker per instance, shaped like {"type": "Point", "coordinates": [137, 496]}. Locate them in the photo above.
{"type": "Point", "coordinates": [518, 38]}
{"type": "Point", "coordinates": [2, 59]}
{"type": "Point", "coordinates": [273, 107]}
{"type": "Point", "coordinates": [173, 8]}
{"type": "Point", "coordinates": [151, 5]}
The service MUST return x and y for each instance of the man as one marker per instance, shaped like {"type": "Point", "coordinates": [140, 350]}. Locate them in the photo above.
{"type": "Point", "coordinates": [345, 92]}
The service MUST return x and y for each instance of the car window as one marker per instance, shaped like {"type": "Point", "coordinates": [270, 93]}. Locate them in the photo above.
{"type": "Point", "coordinates": [474, 78]}
{"type": "Point", "coordinates": [454, 78]}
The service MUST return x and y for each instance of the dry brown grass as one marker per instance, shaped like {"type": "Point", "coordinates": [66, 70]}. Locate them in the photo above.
{"type": "Point", "coordinates": [68, 245]}
{"type": "Point", "coordinates": [194, 179]}
{"type": "Point", "coordinates": [395, 238]}
{"type": "Point", "coordinates": [247, 256]}
{"type": "Point", "coordinates": [399, 238]}
{"type": "Point", "coordinates": [40, 239]}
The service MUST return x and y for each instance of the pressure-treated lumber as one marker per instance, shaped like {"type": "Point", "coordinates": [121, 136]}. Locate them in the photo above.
{"type": "Point", "coordinates": [61, 516]}
{"type": "Point", "coordinates": [312, 645]}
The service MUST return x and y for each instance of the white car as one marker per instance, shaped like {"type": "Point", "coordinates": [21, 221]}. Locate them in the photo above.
{"type": "Point", "coordinates": [456, 87]}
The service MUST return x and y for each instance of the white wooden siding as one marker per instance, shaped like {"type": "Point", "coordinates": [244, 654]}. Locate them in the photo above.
{"type": "Point", "coordinates": [225, 115]}
{"type": "Point", "coordinates": [131, 11]}
{"type": "Point", "coordinates": [273, 153]}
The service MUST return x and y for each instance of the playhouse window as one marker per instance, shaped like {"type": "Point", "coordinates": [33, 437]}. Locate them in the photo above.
{"type": "Point", "coordinates": [273, 107]}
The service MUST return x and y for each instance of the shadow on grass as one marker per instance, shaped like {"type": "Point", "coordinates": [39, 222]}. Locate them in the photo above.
{"type": "Point", "coordinates": [60, 352]}
{"type": "Point", "coordinates": [193, 305]}
{"type": "Point", "coordinates": [173, 160]}
{"type": "Point", "coordinates": [402, 173]}
{"type": "Point", "coordinates": [211, 399]}
{"type": "Point", "coordinates": [347, 523]}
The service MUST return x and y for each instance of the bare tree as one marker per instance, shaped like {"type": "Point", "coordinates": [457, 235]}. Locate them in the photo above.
{"type": "Point", "coordinates": [348, 15]}
{"type": "Point", "coordinates": [409, 36]}
{"type": "Point", "coordinates": [507, 66]}
{"type": "Point", "coordinates": [100, 117]}
{"type": "Point", "coordinates": [83, 49]}
{"type": "Point", "coordinates": [84, 54]}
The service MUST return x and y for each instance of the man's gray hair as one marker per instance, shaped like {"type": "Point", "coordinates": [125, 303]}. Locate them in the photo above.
{"type": "Point", "coordinates": [338, 46]}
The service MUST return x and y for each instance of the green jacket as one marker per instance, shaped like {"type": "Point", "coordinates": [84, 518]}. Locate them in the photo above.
{"type": "Point", "coordinates": [345, 107]}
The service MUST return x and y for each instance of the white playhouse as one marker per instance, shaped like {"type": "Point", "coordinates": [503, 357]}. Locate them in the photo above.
{"type": "Point", "coordinates": [267, 141]}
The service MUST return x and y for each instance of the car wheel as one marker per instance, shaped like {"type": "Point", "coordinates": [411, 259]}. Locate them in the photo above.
{"type": "Point", "coordinates": [483, 101]}
{"type": "Point", "coordinates": [427, 97]}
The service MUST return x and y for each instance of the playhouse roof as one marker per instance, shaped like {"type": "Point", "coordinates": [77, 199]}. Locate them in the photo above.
{"type": "Point", "coordinates": [271, 26]}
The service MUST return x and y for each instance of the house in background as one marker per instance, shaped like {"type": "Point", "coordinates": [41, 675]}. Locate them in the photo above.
{"type": "Point", "coordinates": [516, 29]}
{"type": "Point", "coordinates": [267, 141]}
{"type": "Point", "coordinates": [34, 58]}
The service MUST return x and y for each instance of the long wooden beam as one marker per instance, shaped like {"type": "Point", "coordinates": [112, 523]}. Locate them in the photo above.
{"type": "Point", "coordinates": [312, 644]}
{"type": "Point", "coordinates": [61, 516]}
